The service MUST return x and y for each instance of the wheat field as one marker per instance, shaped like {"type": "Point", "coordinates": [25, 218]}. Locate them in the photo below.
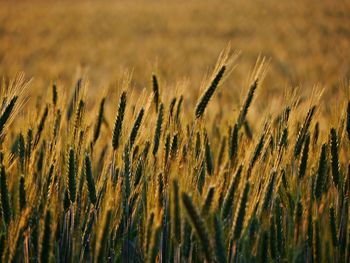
{"type": "Point", "coordinates": [183, 139]}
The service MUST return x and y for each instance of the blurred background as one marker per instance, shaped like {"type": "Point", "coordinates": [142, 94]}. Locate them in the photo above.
{"type": "Point", "coordinates": [308, 42]}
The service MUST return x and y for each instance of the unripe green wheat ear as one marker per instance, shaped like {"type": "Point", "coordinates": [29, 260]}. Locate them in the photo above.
{"type": "Point", "coordinates": [118, 124]}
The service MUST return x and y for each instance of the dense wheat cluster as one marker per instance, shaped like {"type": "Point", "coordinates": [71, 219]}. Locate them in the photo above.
{"type": "Point", "coordinates": [165, 183]}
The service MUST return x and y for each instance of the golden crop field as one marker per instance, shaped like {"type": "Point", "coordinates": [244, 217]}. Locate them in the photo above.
{"type": "Point", "coordinates": [174, 131]}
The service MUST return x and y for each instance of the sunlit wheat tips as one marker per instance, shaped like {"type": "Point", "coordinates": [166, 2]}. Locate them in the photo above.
{"type": "Point", "coordinates": [246, 185]}
{"type": "Point", "coordinates": [118, 124]}
{"type": "Point", "coordinates": [208, 93]}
